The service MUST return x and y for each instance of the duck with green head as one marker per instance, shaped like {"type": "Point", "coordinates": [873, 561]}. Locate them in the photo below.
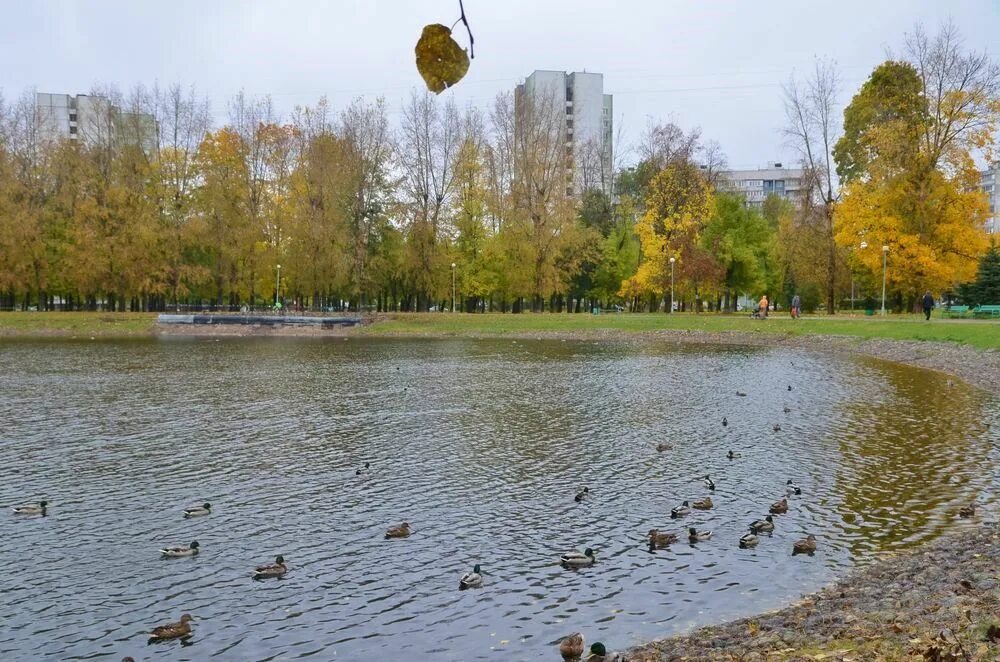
{"type": "Point", "coordinates": [472, 579]}
{"type": "Point", "coordinates": [198, 511]}
{"type": "Point", "coordinates": [39, 508]}
{"type": "Point", "coordinates": [765, 525]}
{"type": "Point", "coordinates": [600, 653]}
{"type": "Point", "coordinates": [694, 535]}
{"type": "Point", "coordinates": [577, 560]}
{"type": "Point", "coordinates": [680, 511]}
{"type": "Point", "coordinates": [749, 540]}
{"type": "Point", "coordinates": [272, 570]}
{"type": "Point", "coordinates": [181, 550]}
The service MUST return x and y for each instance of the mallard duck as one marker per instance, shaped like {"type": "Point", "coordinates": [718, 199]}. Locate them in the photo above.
{"type": "Point", "coordinates": [805, 546]}
{"type": "Point", "coordinates": [732, 456]}
{"type": "Point", "coordinates": [31, 508]}
{"type": "Point", "coordinates": [581, 494]}
{"type": "Point", "coordinates": [400, 531]}
{"type": "Point", "coordinates": [792, 488]}
{"type": "Point", "coordinates": [660, 538]}
{"type": "Point", "coordinates": [598, 653]}
{"type": "Point", "coordinates": [776, 427]}
{"type": "Point", "coordinates": [571, 647]}
{"type": "Point", "coordinates": [765, 525]}
{"type": "Point", "coordinates": [363, 469]}
{"type": "Point", "coordinates": [741, 394]}
{"type": "Point", "coordinates": [779, 507]}
{"type": "Point", "coordinates": [694, 535]}
{"type": "Point", "coordinates": [708, 482]}
{"type": "Point", "coordinates": [578, 560]}
{"type": "Point", "coordinates": [180, 550]}
{"type": "Point", "coordinates": [749, 539]}
{"type": "Point", "coordinates": [662, 446]}
{"type": "Point", "coordinates": [471, 579]}
{"type": "Point", "coordinates": [276, 569]}
{"type": "Point", "coordinates": [178, 630]}
{"type": "Point", "coordinates": [680, 511]}
{"type": "Point", "coordinates": [703, 504]}
{"type": "Point", "coordinates": [967, 511]}
{"type": "Point", "coordinates": [198, 511]}
{"type": "Point", "coordinates": [725, 422]}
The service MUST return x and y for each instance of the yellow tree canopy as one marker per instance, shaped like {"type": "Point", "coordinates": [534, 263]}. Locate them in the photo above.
{"type": "Point", "coordinates": [932, 225]}
{"type": "Point", "coordinates": [678, 204]}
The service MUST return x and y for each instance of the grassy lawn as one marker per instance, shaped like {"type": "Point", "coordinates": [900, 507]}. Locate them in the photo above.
{"type": "Point", "coordinates": [76, 324]}
{"type": "Point", "coordinates": [978, 333]}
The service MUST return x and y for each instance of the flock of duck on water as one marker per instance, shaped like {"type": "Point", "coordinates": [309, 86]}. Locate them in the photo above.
{"type": "Point", "coordinates": [571, 647]}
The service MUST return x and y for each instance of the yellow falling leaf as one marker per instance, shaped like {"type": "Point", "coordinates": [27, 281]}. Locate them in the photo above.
{"type": "Point", "coordinates": [440, 60]}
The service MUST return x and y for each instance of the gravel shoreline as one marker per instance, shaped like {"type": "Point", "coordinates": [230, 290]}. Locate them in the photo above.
{"type": "Point", "coordinates": [938, 602]}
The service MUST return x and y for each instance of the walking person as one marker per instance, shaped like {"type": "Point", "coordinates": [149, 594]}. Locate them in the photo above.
{"type": "Point", "coordinates": [763, 306]}
{"type": "Point", "coordinates": [928, 305]}
{"type": "Point", "coordinates": [796, 303]}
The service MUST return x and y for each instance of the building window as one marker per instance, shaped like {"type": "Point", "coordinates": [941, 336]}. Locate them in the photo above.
{"type": "Point", "coordinates": [569, 94]}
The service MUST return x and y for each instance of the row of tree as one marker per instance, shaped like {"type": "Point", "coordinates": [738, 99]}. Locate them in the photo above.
{"type": "Point", "coordinates": [474, 201]}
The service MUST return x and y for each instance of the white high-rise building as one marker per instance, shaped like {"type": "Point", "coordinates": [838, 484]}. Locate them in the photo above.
{"type": "Point", "coordinates": [92, 119]}
{"type": "Point", "coordinates": [989, 183]}
{"type": "Point", "coordinates": [756, 185]}
{"type": "Point", "coordinates": [586, 120]}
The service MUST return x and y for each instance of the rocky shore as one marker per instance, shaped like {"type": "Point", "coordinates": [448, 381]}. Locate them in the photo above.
{"type": "Point", "coordinates": [940, 602]}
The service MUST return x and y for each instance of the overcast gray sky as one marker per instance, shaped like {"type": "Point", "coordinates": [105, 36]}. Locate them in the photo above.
{"type": "Point", "coordinates": [718, 65]}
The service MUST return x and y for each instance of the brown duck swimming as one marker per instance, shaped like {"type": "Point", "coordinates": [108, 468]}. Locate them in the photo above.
{"type": "Point", "coordinates": [178, 630]}
{"type": "Point", "coordinates": [400, 531]}
{"type": "Point", "coordinates": [571, 647]}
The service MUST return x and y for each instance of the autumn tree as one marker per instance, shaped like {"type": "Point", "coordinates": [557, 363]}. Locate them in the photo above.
{"type": "Point", "coordinates": [811, 129]}
{"type": "Point", "coordinates": [678, 205]}
{"type": "Point", "coordinates": [918, 126]}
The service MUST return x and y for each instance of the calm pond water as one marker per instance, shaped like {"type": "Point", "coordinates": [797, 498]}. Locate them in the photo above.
{"type": "Point", "coordinates": [481, 446]}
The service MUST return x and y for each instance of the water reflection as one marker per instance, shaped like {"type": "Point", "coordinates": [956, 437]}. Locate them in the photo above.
{"type": "Point", "coordinates": [481, 447]}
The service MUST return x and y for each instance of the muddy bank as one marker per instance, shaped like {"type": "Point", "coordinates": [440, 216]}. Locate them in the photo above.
{"type": "Point", "coordinates": [938, 602]}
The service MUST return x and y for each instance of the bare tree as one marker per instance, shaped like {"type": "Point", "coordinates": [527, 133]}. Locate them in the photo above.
{"type": "Point", "coordinates": [812, 130]}
{"type": "Point", "coordinates": [712, 161]}
{"type": "Point", "coordinates": [961, 89]}
{"type": "Point", "coordinates": [369, 161]}
{"type": "Point", "coordinates": [662, 144]}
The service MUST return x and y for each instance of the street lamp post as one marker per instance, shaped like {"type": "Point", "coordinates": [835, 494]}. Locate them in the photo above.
{"type": "Point", "coordinates": [672, 260]}
{"type": "Point", "coordinates": [885, 254]}
{"type": "Point", "coordinates": [862, 246]}
{"type": "Point", "coordinates": [452, 287]}
{"type": "Point", "coordinates": [277, 287]}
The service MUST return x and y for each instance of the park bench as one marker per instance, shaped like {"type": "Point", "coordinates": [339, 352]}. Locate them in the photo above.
{"type": "Point", "coordinates": [956, 311]}
{"type": "Point", "coordinates": [992, 310]}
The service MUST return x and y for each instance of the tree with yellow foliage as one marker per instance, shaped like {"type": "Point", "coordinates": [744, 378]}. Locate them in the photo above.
{"type": "Point", "coordinates": [907, 155]}
{"type": "Point", "coordinates": [678, 204]}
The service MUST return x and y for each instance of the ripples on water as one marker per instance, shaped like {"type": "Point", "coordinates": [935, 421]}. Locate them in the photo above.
{"type": "Point", "coordinates": [480, 445]}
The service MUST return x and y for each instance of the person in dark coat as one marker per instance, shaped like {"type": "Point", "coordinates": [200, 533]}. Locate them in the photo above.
{"type": "Point", "coordinates": [928, 305]}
